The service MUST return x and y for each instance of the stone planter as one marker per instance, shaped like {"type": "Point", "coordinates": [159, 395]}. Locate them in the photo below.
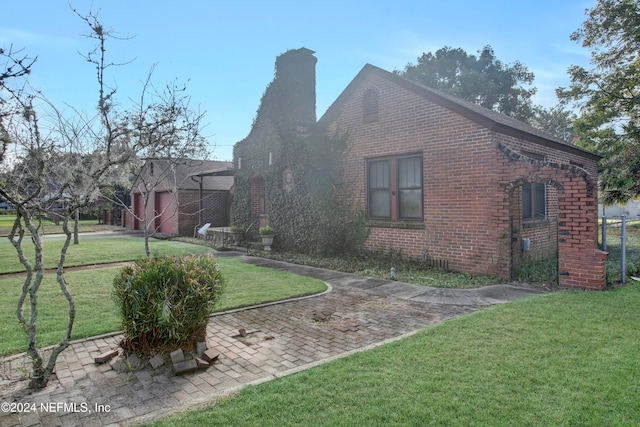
{"type": "Point", "coordinates": [267, 241]}
{"type": "Point", "coordinates": [237, 237]}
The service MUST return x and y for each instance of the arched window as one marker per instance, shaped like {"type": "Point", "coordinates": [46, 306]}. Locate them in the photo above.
{"type": "Point", "coordinates": [370, 106]}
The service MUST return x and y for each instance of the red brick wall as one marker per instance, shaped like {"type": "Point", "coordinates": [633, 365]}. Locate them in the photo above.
{"type": "Point", "coordinates": [582, 265]}
{"type": "Point", "coordinates": [128, 221]}
{"type": "Point", "coordinates": [216, 208]}
{"type": "Point", "coordinates": [471, 186]}
{"type": "Point", "coordinates": [459, 180]}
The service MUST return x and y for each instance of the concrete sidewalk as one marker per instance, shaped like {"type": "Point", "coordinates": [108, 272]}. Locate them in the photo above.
{"type": "Point", "coordinates": [356, 314]}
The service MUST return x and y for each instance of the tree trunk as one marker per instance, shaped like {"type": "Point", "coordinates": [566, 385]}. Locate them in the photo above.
{"type": "Point", "coordinates": [147, 248]}
{"type": "Point", "coordinates": [30, 287]}
{"type": "Point", "coordinates": [40, 373]}
{"type": "Point", "coordinates": [75, 227]}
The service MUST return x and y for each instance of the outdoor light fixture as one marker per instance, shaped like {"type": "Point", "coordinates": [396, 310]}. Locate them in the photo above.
{"type": "Point", "coordinates": [393, 273]}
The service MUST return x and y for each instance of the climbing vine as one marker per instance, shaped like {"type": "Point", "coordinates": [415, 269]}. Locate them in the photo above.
{"type": "Point", "coordinates": [309, 205]}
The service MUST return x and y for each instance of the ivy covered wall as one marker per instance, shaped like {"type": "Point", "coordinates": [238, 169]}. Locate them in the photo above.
{"type": "Point", "coordinates": [304, 199]}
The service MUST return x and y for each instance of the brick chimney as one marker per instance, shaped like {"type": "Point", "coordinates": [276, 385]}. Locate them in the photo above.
{"type": "Point", "coordinates": [295, 76]}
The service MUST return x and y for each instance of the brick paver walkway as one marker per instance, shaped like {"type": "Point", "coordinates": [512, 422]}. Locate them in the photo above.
{"type": "Point", "coordinates": [358, 313]}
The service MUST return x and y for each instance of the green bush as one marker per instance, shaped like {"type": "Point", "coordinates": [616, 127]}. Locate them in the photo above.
{"type": "Point", "coordinates": [165, 302]}
{"type": "Point", "coordinates": [266, 230]}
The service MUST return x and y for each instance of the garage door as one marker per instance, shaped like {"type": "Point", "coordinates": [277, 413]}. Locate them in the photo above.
{"type": "Point", "coordinates": [166, 213]}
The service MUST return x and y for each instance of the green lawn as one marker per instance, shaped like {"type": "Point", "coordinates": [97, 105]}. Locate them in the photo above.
{"type": "Point", "coordinates": [249, 285]}
{"type": "Point", "coordinates": [94, 250]}
{"type": "Point", "coordinates": [7, 220]}
{"type": "Point", "coordinates": [568, 358]}
{"type": "Point", "coordinates": [96, 312]}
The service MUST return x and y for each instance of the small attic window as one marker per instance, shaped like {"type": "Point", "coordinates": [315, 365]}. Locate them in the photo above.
{"type": "Point", "coordinates": [370, 106]}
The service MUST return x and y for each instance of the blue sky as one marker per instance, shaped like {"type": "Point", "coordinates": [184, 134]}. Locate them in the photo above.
{"type": "Point", "coordinates": [226, 51]}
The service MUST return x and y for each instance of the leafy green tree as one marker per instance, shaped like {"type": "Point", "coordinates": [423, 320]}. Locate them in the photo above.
{"type": "Point", "coordinates": [608, 95]}
{"type": "Point", "coordinates": [481, 79]}
{"type": "Point", "coordinates": [557, 121]}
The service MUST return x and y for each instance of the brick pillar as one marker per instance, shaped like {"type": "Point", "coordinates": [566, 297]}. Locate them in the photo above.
{"type": "Point", "coordinates": [581, 264]}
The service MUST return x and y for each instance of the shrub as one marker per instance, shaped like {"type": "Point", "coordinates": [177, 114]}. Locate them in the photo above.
{"type": "Point", "coordinates": [266, 230]}
{"type": "Point", "coordinates": [165, 302]}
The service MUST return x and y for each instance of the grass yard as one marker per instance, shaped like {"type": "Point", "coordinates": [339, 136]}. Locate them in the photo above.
{"type": "Point", "coordinates": [529, 362]}
{"type": "Point", "coordinates": [95, 250]}
{"type": "Point", "coordinates": [567, 358]}
{"type": "Point", "coordinates": [249, 284]}
{"type": "Point", "coordinates": [97, 313]}
{"type": "Point", "coordinates": [6, 223]}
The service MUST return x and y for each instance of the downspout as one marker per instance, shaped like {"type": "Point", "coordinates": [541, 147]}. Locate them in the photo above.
{"type": "Point", "coordinates": [199, 199]}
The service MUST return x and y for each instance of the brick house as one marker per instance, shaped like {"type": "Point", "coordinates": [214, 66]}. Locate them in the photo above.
{"type": "Point", "coordinates": [460, 186]}
{"type": "Point", "coordinates": [182, 195]}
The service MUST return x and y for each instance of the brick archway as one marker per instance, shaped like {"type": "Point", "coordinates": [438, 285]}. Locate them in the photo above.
{"type": "Point", "coordinates": [580, 263]}
{"type": "Point", "coordinates": [534, 239]}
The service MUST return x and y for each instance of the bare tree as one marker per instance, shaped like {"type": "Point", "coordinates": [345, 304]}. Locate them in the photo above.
{"type": "Point", "coordinates": [49, 177]}
{"type": "Point", "coordinates": [163, 125]}
{"type": "Point", "coordinates": [165, 134]}
{"type": "Point", "coordinates": [14, 65]}
{"type": "Point", "coordinates": [57, 169]}
{"type": "Point", "coordinates": [25, 184]}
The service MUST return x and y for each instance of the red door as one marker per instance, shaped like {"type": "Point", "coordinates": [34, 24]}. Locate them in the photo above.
{"type": "Point", "coordinates": [138, 207]}
{"type": "Point", "coordinates": [166, 213]}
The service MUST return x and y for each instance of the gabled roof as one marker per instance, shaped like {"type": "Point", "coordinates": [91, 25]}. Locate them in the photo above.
{"type": "Point", "coordinates": [490, 119]}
